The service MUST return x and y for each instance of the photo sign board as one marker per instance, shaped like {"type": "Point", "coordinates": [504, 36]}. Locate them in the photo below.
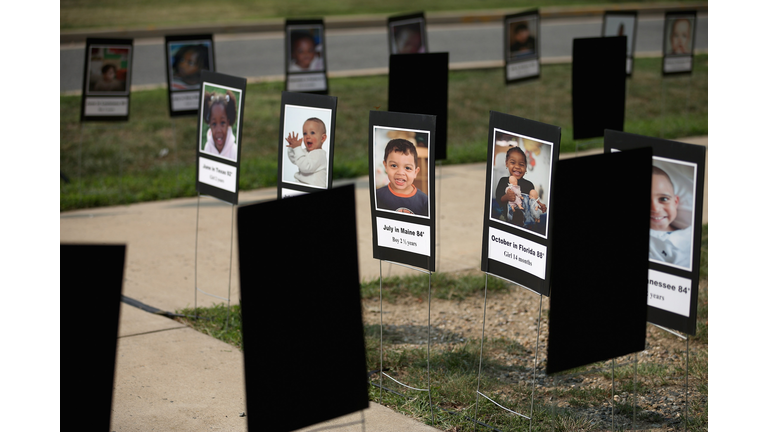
{"type": "Point", "coordinates": [306, 61]}
{"type": "Point", "coordinates": [677, 194]}
{"type": "Point", "coordinates": [402, 178]}
{"type": "Point", "coordinates": [598, 85]}
{"type": "Point", "coordinates": [107, 80]}
{"type": "Point", "coordinates": [418, 84]}
{"type": "Point", "coordinates": [522, 54]}
{"type": "Point", "coordinates": [679, 38]}
{"type": "Point", "coordinates": [324, 296]}
{"type": "Point", "coordinates": [407, 34]}
{"type": "Point", "coordinates": [622, 23]}
{"type": "Point", "coordinates": [305, 147]}
{"type": "Point", "coordinates": [597, 307]}
{"type": "Point", "coordinates": [219, 132]}
{"type": "Point", "coordinates": [93, 273]}
{"type": "Point", "coordinates": [517, 234]}
{"type": "Point", "coordinates": [186, 57]}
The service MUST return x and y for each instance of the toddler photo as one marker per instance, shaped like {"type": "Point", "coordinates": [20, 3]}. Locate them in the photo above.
{"type": "Point", "coordinates": [520, 171]}
{"type": "Point", "coordinates": [187, 60]}
{"type": "Point", "coordinates": [220, 107]}
{"type": "Point", "coordinates": [306, 50]}
{"type": "Point", "coordinates": [401, 170]}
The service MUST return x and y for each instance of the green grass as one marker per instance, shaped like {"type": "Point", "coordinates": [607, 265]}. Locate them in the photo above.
{"type": "Point", "coordinates": [94, 14]}
{"type": "Point", "coordinates": [453, 370]}
{"type": "Point", "coordinates": [444, 286]}
{"type": "Point", "coordinates": [152, 156]}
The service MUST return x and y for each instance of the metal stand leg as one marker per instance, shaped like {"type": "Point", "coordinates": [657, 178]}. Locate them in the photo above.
{"type": "Point", "coordinates": [480, 367]}
{"type": "Point", "coordinates": [634, 396]}
{"type": "Point", "coordinates": [535, 362]}
{"type": "Point", "coordinates": [482, 339]}
{"type": "Point", "coordinates": [685, 418]}
{"type": "Point", "coordinates": [613, 394]}
{"type": "Point", "coordinates": [381, 339]}
{"type": "Point", "coordinates": [429, 342]}
{"type": "Point", "coordinates": [228, 299]}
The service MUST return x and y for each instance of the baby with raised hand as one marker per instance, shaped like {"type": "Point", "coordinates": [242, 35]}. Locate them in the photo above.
{"type": "Point", "coordinates": [311, 160]}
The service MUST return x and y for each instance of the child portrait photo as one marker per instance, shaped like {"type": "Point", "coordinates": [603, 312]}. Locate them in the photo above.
{"type": "Point", "coordinates": [678, 34]}
{"type": "Point", "coordinates": [622, 24]}
{"type": "Point", "coordinates": [521, 40]}
{"type": "Point", "coordinates": [407, 36]}
{"type": "Point", "coordinates": [187, 59]}
{"type": "Point", "coordinates": [306, 145]}
{"type": "Point", "coordinates": [672, 204]}
{"type": "Point", "coordinates": [520, 177]}
{"type": "Point", "coordinates": [401, 170]}
{"type": "Point", "coordinates": [220, 108]}
{"type": "Point", "coordinates": [305, 48]}
{"type": "Point", "coordinates": [109, 70]}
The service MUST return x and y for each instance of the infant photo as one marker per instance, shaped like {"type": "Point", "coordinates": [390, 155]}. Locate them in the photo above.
{"type": "Point", "coordinates": [401, 170]}
{"type": "Point", "coordinates": [306, 145]}
{"type": "Point", "coordinates": [520, 178]}
{"type": "Point", "coordinates": [108, 70]}
{"type": "Point", "coordinates": [672, 204]}
{"type": "Point", "coordinates": [187, 59]}
{"type": "Point", "coordinates": [220, 108]}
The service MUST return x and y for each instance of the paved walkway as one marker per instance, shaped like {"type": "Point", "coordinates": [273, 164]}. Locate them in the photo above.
{"type": "Point", "coordinates": [169, 377]}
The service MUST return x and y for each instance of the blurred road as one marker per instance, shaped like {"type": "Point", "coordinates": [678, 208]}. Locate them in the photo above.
{"type": "Point", "coordinates": [261, 55]}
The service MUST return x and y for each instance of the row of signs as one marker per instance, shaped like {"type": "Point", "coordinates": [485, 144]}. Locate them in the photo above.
{"type": "Point", "coordinates": [107, 78]}
{"type": "Point", "coordinates": [522, 159]}
{"type": "Point", "coordinates": [520, 187]}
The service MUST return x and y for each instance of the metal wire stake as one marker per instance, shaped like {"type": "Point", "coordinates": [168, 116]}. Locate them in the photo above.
{"type": "Point", "coordinates": [482, 337]}
{"type": "Point", "coordinates": [613, 392]}
{"type": "Point", "coordinates": [231, 250]}
{"type": "Point", "coordinates": [429, 342]}
{"type": "Point", "coordinates": [634, 398]}
{"type": "Point", "coordinates": [381, 339]}
{"type": "Point", "coordinates": [197, 234]}
{"type": "Point", "coordinates": [437, 219]}
{"type": "Point", "coordinates": [535, 363]}
{"type": "Point", "coordinates": [80, 166]}
{"type": "Point", "coordinates": [686, 386]}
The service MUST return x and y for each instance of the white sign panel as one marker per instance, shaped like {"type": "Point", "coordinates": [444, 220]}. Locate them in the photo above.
{"type": "Point", "coordinates": [668, 292]}
{"type": "Point", "coordinates": [217, 174]}
{"type": "Point", "coordinates": [517, 252]}
{"type": "Point", "coordinates": [106, 106]}
{"type": "Point", "coordinates": [403, 236]}
{"type": "Point", "coordinates": [185, 100]}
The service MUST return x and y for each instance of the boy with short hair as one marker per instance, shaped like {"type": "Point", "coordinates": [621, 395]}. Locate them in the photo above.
{"type": "Point", "coordinates": [401, 166]}
{"type": "Point", "coordinates": [667, 243]}
{"type": "Point", "coordinates": [311, 160]}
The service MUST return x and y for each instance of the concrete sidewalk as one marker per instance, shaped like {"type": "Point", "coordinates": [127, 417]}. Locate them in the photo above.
{"type": "Point", "coordinates": [170, 377]}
